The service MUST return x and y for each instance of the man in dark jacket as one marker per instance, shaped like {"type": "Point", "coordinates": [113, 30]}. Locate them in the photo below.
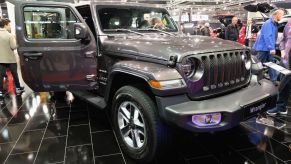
{"type": "Point", "coordinates": [232, 31]}
{"type": "Point", "coordinates": [266, 41]}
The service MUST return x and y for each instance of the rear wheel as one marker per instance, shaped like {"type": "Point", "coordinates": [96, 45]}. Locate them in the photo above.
{"type": "Point", "coordinates": [137, 125]}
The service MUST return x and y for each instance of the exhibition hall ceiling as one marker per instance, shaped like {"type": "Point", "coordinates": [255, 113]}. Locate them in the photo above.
{"type": "Point", "coordinates": [195, 4]}
{"type": "Point", "coordinates": [211, 7]}
{"type": "Point", "coordinates": [185, 3]}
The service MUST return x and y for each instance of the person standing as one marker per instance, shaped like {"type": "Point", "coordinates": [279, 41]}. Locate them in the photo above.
{"type": "Point", "coordinates": [205, 31]}
{"type": "Point", "coordinates": [232, 31]}
{"type": "Point", "coordinates": [7, 57]}
{"type": "Point", "coordinates": [197, 29]}
{"type": "Point", "coordinates": [250, 30]}
{"type": "Point", "coordinates": [266, 41]}
{"type": "Point", "coordinates": [285, 86]}
{"type": "Point", "coordinates": [241, 38]}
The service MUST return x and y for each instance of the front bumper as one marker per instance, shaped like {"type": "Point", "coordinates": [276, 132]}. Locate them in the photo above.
{"type": "Point", "coordinates": [234, 107]}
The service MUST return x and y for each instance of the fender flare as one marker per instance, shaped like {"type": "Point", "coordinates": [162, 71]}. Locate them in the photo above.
{"type": "Point", "coordinates": [143, 70]}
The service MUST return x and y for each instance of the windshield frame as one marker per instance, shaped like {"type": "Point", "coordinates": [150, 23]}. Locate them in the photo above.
{"type": "Point", "coordinates": [162, 10]}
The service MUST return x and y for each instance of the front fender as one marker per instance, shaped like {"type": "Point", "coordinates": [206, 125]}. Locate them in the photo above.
{"type": "Point", "coordinates": [146, 71]}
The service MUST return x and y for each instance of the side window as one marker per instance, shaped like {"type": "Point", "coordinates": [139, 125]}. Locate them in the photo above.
{"type": "Point", "coordinates": [49, 23]}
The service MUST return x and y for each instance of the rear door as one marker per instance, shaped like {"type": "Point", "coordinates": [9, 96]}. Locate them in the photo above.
{"type": "Point", "coordinates": [51, 58]}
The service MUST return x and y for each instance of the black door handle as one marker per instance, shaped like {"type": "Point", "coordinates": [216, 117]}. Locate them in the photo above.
{"type": "Point", "coordinates": [32, 54]}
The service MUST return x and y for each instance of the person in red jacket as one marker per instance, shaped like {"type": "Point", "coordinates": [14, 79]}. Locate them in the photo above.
{"type": "Point", "coordinates": [241, 38]}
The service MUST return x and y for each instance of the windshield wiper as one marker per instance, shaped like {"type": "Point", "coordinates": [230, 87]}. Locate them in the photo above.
{"type": "Point", "coordinates": [154, 29]}
{"type": "Point", "coordinates": [123, 30]}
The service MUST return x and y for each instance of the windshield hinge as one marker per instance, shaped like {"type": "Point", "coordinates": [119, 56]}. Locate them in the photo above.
{"type": "Point", "coordinates": [172, 61]}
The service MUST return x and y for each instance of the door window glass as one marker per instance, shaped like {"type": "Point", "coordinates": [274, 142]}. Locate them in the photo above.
{"type": "Point", "coordinates": [49, 23]}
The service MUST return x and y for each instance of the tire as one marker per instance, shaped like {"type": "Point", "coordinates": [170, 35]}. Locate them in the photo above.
{"type": "Point", "coordinates": [154, 135]}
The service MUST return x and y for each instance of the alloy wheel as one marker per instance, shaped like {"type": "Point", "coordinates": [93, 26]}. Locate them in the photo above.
{"type": "Point", "coordinates": [131, 125]}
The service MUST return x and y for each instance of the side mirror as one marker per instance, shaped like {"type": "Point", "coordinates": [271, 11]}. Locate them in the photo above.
{"type": "Point", "coordinates": [81, 31]}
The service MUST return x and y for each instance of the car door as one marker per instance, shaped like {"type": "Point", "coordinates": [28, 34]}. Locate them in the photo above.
{"type": "Point", "coordinates": [51, 57]}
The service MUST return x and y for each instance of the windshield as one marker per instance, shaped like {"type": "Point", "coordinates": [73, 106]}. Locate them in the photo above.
{"type": "Point", "coordinates": [135, 19]}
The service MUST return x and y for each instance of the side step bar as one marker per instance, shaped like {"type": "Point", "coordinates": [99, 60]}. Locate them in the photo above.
{"type": "Point", "coordinates": [91, 98]}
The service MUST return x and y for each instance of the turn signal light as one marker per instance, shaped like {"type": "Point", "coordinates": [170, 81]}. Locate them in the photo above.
{"type": "Point", "coordinates": [170, 84]}
{"type": "Point", "coordinates": [155, 84]}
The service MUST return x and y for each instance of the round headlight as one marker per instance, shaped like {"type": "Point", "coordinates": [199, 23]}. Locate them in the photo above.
{"type": "Point", "coordinates": [192, 69]}
{"type": "Point", "coordinates": [248, 65]}
{"type": "Point", "coordinates": [243, 57]}
{"type": "Point", "coordinates": [247, 61]}
{"type": "Point", "coordinates": [188, 67]}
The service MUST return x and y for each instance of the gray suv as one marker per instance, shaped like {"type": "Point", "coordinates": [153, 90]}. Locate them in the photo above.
{"type": "Point", "coordinates": [132, 61]}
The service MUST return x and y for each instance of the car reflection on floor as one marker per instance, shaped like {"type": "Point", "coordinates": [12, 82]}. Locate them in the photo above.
{"type": "Point", "coordinates": [40, 128]}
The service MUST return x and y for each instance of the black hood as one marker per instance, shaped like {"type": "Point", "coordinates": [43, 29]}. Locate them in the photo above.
{"type": "Point", "coordinates": [163, 47]}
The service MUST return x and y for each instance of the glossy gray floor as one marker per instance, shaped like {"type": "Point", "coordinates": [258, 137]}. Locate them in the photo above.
{"type": "Point", "coordinates": [36, 129]}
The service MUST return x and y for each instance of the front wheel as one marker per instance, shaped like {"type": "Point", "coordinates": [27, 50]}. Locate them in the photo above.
{"type": "Point", "coordinates": [136, 123]}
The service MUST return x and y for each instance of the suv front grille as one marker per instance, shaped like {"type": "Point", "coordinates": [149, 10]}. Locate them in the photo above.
{"type": "Point", "coordinates": [223, 71]}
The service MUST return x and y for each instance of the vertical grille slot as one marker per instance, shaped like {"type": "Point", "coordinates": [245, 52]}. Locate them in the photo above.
{"type": "Point", "coordinates": [213, 72]}
{"type": "Point", "coordinates": [243, 67]}
{"type": "Point", "coordinates": [232, 68]}
{"type": "Point", "coordinates": [220, 72]}
{"type": "Point", "coordinates": [206, 73]}
{"type": "Point", "coordinates": [238, 68]}
{"type": "Point", "coordinates": [227, 70]}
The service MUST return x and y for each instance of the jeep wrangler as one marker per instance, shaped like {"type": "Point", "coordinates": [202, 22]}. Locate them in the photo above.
{"type": "Point", "coordinates": [132, 61]}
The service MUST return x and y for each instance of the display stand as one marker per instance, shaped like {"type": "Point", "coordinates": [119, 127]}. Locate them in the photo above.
{"type": "Point", "coordinates": [263, 118]}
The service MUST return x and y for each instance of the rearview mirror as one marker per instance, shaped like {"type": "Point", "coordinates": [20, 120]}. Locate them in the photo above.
{"type": "Point", "coordinates": [81, 31]}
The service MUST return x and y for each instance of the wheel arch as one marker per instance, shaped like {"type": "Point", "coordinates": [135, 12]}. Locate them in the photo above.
{"type": "Point", "coordinates": [121, 78]}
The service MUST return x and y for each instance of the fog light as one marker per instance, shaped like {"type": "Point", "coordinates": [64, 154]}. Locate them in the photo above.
{"type": "Point", "coordinates": [208, 119]}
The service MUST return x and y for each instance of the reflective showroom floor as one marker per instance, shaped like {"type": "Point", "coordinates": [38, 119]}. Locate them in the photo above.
{"type": "Point", "coordinates": [34, 128]}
